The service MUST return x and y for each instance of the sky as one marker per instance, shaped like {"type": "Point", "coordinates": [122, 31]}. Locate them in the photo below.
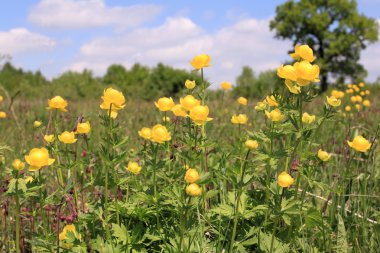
{"type": "Point", "coordinates": [54, 36]}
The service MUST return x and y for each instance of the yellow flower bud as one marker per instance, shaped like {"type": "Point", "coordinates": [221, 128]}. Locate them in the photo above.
{"type": "Point", "coordinates": [323, 155]}
{"type": "Point", "coordinates": [199, 114]}
{"type": "Point", "coordinates": [251, 144]}
{"type": "Point", "coordinates": [190, 84]}
{"type": "Point", "coordinates": [358, 107]}
{"type": "Point", "coordinates": [58, 103]}
{"type": "Point", "coordinates": [134, 168]}
{"type": "Point", "coordinates": [362, 93]}
{"type": "Point", "coordinates": [38, 158]}
{"type": "Point", "coordinates": [284, 179]}
{"type": "Point", "coordinates": [160, 134]}
{"type": "Point", "coordinates": [83, 128]}
{"type": "Point", "coordinates": [360, 144]}
{"type": "Point", "coordinates": [67, 137]}
{"type": "Point", "coordinates": [145, 133]}
{"type": "Point", "coordinates": [49, 138]}
{"type": "Point", "coordinates": [165, 104]}
{"type": "Point", "coordinates": [3, 115]}
{"type": "Point", "coordinates": [367, 92]}
{"type": "Point", "coordinates": [226, 85]}
{"type": "Point", "coordinates": [306, 73]}
{"type": "Point", "coordinates": [366, 103]}
{"type": "Point", "coordinates": [338, 94]}
{"type": "Point", "coordinates": [37, 123]}
{"type": "Point", "coordinates": [166, 119]}
{"type": "Point", "coordinates": [347, 108]}
{"type": "Point", "coordinates": [261, 106]}
{"type": "Point", "coordinates": [179, 111]}
{"type": "Point", "coordinates": [239, 119]}
{"type": "Point", "coordinates": [333, 101]}
{"type": "Point", "coordinates": [242, 101]}
{"type": "Point", "coordinates": [275, 115]}
{"type": "Point", "coordinates": [112, 99]}
{"type": "Point", "coordinates": [307, 118]}
{"type": "Point", "coordinates": [200, 61]}
{"type": "Point", "coordinates": [191, 176]}
{"type": "Point", "coordinates": [361, 84]}
{"type": "Point", "coordinates": [353, 99]}
{"type": "Point", "coordinates": [18, 164]}
{"type": "Point", "coordinates": [189, 102]}
{"type": "Point", "coordinates": [359, 99]}
{"type": "Point", "coordinates": [193, 190]}
{"type": "Point", "coordinates": [271, 100]}
{"type": "Point", "coordinates": [303, 52]}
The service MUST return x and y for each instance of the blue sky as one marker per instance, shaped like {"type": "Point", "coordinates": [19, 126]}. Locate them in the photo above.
{"type": "Point", "coordinates": [58, 35]}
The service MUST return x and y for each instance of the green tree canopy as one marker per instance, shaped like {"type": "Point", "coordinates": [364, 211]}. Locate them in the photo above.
{"type": "Point", "coordinates": [335, 30]}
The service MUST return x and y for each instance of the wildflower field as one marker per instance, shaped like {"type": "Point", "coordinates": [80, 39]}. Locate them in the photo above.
{"type": "Point", "coordinates": [206, 172]}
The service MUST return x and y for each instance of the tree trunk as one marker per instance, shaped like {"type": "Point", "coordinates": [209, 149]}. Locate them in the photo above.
{"type": "Point", "coordinates": [324, 84]}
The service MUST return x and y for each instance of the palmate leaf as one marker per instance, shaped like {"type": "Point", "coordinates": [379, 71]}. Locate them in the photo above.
{"type": "Point", "coordinates": [341, 238]}
{"type": "Point", "coordinates": [120, 232]}
{"type": "Point", "coordinates": [265, 241]}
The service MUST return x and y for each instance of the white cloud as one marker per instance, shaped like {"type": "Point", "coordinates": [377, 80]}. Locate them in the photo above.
{"type": "Point", "coordinates": [20, 40]}
{"type": "Point", "coordinates": [76, 14]}
{"type": "Point", "coordinates": [247, 42]}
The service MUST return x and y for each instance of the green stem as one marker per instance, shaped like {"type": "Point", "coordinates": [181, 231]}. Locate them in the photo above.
{"type": "Point", "coordinates": [17, 221]}
{"type": "Point", "coordinates": [276, 222]}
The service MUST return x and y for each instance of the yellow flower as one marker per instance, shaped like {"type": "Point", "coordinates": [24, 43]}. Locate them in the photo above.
{"type": "Point", "coordinates": [37, 123]}
{"type": "Point", "coordinates": [165, 104]}
{"type": "Point", "coordinates": [362, 93]}
{"type": "Point", "coordinates": [49, 138]}
{"type": "Point", "coordinates": [284, 179]}
{"type": "Point", "coordinates": [338, 94]}
{"type": "Point", "coordinates": [193, 190]}
{"type": "Point", "coordinates": [83, 128]}
{"type": "Point", "coordinates": [360, 144]}
{"type": "Point", "coordinates": [200, 61]}
{"type": "Point", "coordinates": [293, 88]}
{"type": "Point", "coordinates": [189, 102]}
{"type": "Point", "coordinates": [356, 88]}
{"type": "Point", "coordinates": [349, 91]}
{"type": "Point", "coordinates": [306, 73]}
{"type": "Point", "coordinates": [166, 119]}
{"type": "Point", "coordinates": [251, 144]}
{"type": "Point", "coordinates": [226, 85]}
{"type": "Point", "coordinates": [261, 106]}
{"type": "Point", "coordinates": [1, 99]}
{"type": "Point", "coordinates": [271, 100]}
{"type": "Point", "coordinates": [134, 168]}
{"type": "Point", "coordinates": [358, 107]}
{"type": "Point", "coordinates": [303, 52]}
{"type": "Point", "coordinates": [67, 228]}
{"type": "Point", "coordinates": [353, 99]}
{"type": "Point", "coordinates": [359, 99]}
{"type": "Point", "coordinates": [38, 158]}
{"type": "Point", "coordinates": [242, 101]}
{"type": "Point", "coordinates": [333, 101]}
{"type": "Point", "coordinates": [191, 176]}
{"type": "Point", "coordinates": [113, 113]}
{"type": "Point", "coordinates": [3, 115]}
{"type": "Point", "coordinates": [113, 99]}
{"type": "Point", "coordinates": [57, 102]}
{"type": "Point", "coordinates": [199, 114]}
{"type": "Point", "coordinates": [190, 84]}
{"type": "Point", "coordinates": [347, 108]}
{"type": "Point", "coordinates": [160, 134]}
{"type": "Point", "coordinates": [179, 111]}
{"type": "Point", "coordinates": [307, 118]}
{"type": "Point", "coordinates": [145, 133]}
{"type": "Point", "coordinates": [367, 92]}
{"type": "Point", "coordinates": [275, 115]}
{"type": "Point", "coordinates": [239, 119]}
{"type": "Point", "coordinates": [67, 137]}
{"type": "Point", "coordinates": [361, 84]}
{"type": "Point", "coordinates": [349, 86]}
{"type": "Point", "coordinates": [323, 155]}
{"type": "Point", "coordinates": [366, 103]}
{"type": "Point", "coordinates": [18, 164]}
{"type": "Point", "coordinates": [287, 72]}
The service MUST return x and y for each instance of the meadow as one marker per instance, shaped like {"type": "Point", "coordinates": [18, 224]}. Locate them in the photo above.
{"type": "Point", "coordinates": [296, 171]}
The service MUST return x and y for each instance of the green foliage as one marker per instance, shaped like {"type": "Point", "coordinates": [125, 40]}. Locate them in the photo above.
{"type": "Point", "coordinates": [334, 29]}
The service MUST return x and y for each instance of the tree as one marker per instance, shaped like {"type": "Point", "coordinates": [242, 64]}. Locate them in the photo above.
{"type": "Point", "coordinates": [333, 28]}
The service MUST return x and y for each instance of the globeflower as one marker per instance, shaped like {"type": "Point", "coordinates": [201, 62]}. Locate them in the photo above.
{"type": "Point", "coordinates": [359, 99]}
{"type": "Point", "coordinates": [179, 111]}
{"type": "Point", "coordinates": [67, 137]}
{"type": "Point", "coordinates": [68, 228]}
{"type": "Point", "coordinates": [49, 138]}
{"type": "Point", "coordinates": [1, 99]}
{"type": "Point", "coordinates": [193, 190]}
{"type": "Point", "coordinates": [200, 61]}
{"type": "Point", "coordinates": [38, 158]}
{"type": "Point", "coordinates": [165, 104]}
{"type": "Point", "coordinates": [191, 176]}
{"type": "Point", "coordinates": [242, 101]}
{"type": "Point", "coordinates": [83, 128]}
{"type": "Point", "coordinates": [199, 114]}
{"type": "Point", "coordinates": [189, 102]}
{"type": "Point", "coordinates": [37, 123]}
{"type": "Point", "coordinates": [58, 103]}
{"type": "Point", "coordinates": [367, 92]}
{"type": "Point", "coordinates": [261, 106]}
{"type": "Point", "coordinates": [287, 72]}
{"type": "Point", "coordinates": [271, 100]}
{"type": "Point", "coordinates": [306, 73]}
{"type": "Point", "coordinates": [112, 99]}
{"type": "Point", "coordinates": [366, 103]}
{"type": "Point", "coordinates": [333, 101]}
{"type": "Point", "coordinates": [226, 85]}
{"type": "Point", "coordinates": [160, 134]}
{"type": "Point", "coordinates": [347, 108]}
{"type": "Point", "coordinates": [284, 179]}
{"type": "Point", "coordinates": [360, 144]}
{"type": "Point", "coordinates": [338, 94]}
{"type": "Point", "coordinates": [3, 115]}
{"type": "Point", "coordinates": [307, 118]}
{"type": "Point", "coordinates": [18, 164]}
{"type": "Point", "coordinates": [251, 144]}
{"type": "Point", "coordinates": [323, 155]}
{"type": "Point", "coordinates": [190, 84]}
{"type": "Point", "coordinates": [361, 84]}
{"type": "Point", "coordinates": [353, 99]}
{"type": "Point", "coordinates": [145, 133]}
{"type": "Point", "coordinates": [134, 168]}
{"type": "Point", "coordinates": [303, 52]}
{"type": "Point", "coordinates": [239, 119]}
{"type": "Point", "coordinates": [275, 115]}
